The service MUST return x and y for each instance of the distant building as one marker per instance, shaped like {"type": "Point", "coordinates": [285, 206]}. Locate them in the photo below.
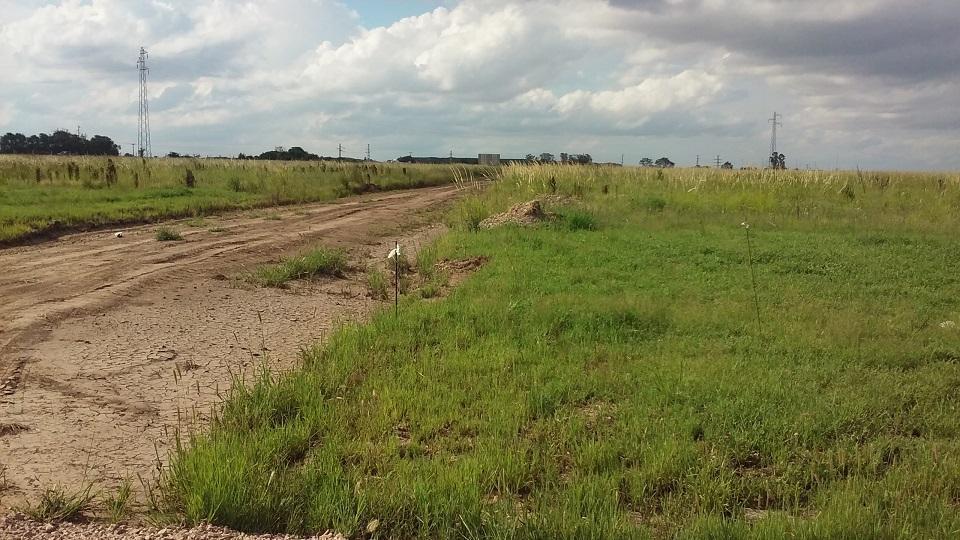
{"type": "Point", "coordinates": [492, 160]}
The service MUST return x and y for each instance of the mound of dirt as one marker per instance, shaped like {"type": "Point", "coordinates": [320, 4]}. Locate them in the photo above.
{"type": "Point", "coordinates": [528, 213]}
{"type": "Point", "coordinates": [461, 265]}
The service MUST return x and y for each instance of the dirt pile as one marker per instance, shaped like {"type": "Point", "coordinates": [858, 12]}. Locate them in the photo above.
{"type": "Point", "coordinates": [461, 265]}
{"type": "Point", "coordinates": [19, 526]}
{"type": "Point", "coordinates": [528, 213]}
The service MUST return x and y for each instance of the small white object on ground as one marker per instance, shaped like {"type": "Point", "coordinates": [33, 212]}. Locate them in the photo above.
{"type": "Point", "coordinates": [948, 324]}
{"type": "Point", "coordinates": [395, 252]}
{"type": "Point", "coordinates": [118, 234]}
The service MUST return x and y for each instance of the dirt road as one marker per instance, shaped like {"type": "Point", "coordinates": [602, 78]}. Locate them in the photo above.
{"type": "Point", "coordinates": [104, 341]}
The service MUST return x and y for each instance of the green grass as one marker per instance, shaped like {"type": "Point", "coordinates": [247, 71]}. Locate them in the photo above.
{"type": "Point", "coordinates": [610, 381]}
{"type": "Point", "coordinates": [318, 262]}
{"type": "Point", "coordinates": [155, 189]}
{"type": "Point", "coordinates": [117, 505]}
{"type": "Point", "coordinates": [56, 504]}
{"type": "Point", "coordinates": [166, 234]}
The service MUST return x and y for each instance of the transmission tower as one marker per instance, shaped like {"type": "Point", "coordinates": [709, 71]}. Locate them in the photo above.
{"type": "Point", "coordinates": [775, 122]}
{"type": "Point", "coordinates": [143, 125]}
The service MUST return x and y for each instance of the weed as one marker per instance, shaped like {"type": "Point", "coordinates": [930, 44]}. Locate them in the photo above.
{"type": "Point", "coordinates": [378, 284]}
{"type": "Point", "coordinates": [654, 203]}
{"type": "Point", "coordinates": [580, 220]}
{"type": "Point", "coordinates": [117, 504]}
{"type": "Point", "coordinates": [430, 289]}
{"type": "Point", "coordinates": [166, 234]}
{"type": "Point", "coordinates": [318, 262]}
{"type": "Point", "coordinates": [56, 504]}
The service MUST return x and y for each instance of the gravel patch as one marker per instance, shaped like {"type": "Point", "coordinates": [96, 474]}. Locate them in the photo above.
{"type": "Point", "coordinates": [19, 526]}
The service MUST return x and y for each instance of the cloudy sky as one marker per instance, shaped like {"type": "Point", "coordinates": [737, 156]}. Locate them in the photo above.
{"type": "Point", "coordinates": [874, 83]}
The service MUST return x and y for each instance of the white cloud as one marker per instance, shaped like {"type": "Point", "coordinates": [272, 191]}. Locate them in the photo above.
{"type": "Point", "coordinates": [654, 76]}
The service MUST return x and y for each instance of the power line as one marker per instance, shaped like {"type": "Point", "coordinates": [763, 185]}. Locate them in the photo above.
{"type": "Point", "coordinates": [143, 122]}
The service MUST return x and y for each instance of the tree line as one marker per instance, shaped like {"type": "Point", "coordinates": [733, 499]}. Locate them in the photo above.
{"type": "Point", "coordinates": [565, 158]}
{"type": "Point", "coordinates": [60, 142]}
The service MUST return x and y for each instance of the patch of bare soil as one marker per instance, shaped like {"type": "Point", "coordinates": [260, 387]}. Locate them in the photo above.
{"type": "Point", "coordinates": [109, 344]}
{"type": "Point", "coordinates": [528, 213]}
{"type": "Point", "coordinates": [459, 269]}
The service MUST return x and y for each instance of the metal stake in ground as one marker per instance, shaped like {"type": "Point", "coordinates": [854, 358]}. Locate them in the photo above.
{"type": "Point", "coordinates": [753, 277]}
{"type": "Point", "coordinates": [395, 255]}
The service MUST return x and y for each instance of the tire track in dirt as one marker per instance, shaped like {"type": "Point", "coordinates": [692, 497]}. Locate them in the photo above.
{"type": "Point", "coordinates": [105, 342]}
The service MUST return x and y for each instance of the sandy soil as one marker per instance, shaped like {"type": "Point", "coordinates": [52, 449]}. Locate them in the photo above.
{"type": "Point", "coordinates": [107, 344]}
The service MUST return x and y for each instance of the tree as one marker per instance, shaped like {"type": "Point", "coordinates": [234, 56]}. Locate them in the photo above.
{"type": "Point", "coordinates": [664, 163]}
{"type": "Point", "coordinates": [727, 165]}
{"type": "Point", "coordinates": [581, 159]}
{"type": "Point", "coordinates": [546, 157]}
{"type": "Point", "coordinates": [60, 142]}
{"type": "Point", "coordinates": [295, 153]}
{"type": "Point", "coordinates": [778, 161]}
{"type": "Point", "coordinates": [530, 157]}
{"type": "Point", "coordinates": [646, 162]}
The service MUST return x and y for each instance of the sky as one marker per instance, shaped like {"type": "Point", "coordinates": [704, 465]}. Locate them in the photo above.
{"type": "Point", "coordinates": [868, 83]}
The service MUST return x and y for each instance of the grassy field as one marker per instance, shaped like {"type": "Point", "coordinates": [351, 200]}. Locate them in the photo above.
{"type": "Point", "coordinates": [42, 195]}
{"type": "Point", "coordinates": [604, 375]}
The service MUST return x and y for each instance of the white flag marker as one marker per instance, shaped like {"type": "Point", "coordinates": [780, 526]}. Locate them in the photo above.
{"type": "Point", "coordinates": [394, 253]}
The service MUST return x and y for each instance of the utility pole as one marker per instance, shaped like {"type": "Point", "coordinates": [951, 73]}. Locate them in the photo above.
{"type": "Point", "coordinates": [621, 160]}
{"type": "Point", "coordinates": [775, 121]}
{"type": "Point", "coordinates": [143, 124]}
{"type": "Point", "coordinates": [698, 160]}
{"type": "Point", "coordinates": [451, 157]}
{"type": "Point", "coordinates": [339, 152]}
{"type": "Point", "coordinates": [133, 150]}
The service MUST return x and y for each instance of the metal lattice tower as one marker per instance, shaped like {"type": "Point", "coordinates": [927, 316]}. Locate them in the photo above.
{"type": "Point", "coordinates": [143, 124]}
{"type": "Point", "coordinates": [775, 121]}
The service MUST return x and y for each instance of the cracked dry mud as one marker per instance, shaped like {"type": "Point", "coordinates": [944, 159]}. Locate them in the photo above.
{"type": "Point", "coordinates": [107, 343]}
